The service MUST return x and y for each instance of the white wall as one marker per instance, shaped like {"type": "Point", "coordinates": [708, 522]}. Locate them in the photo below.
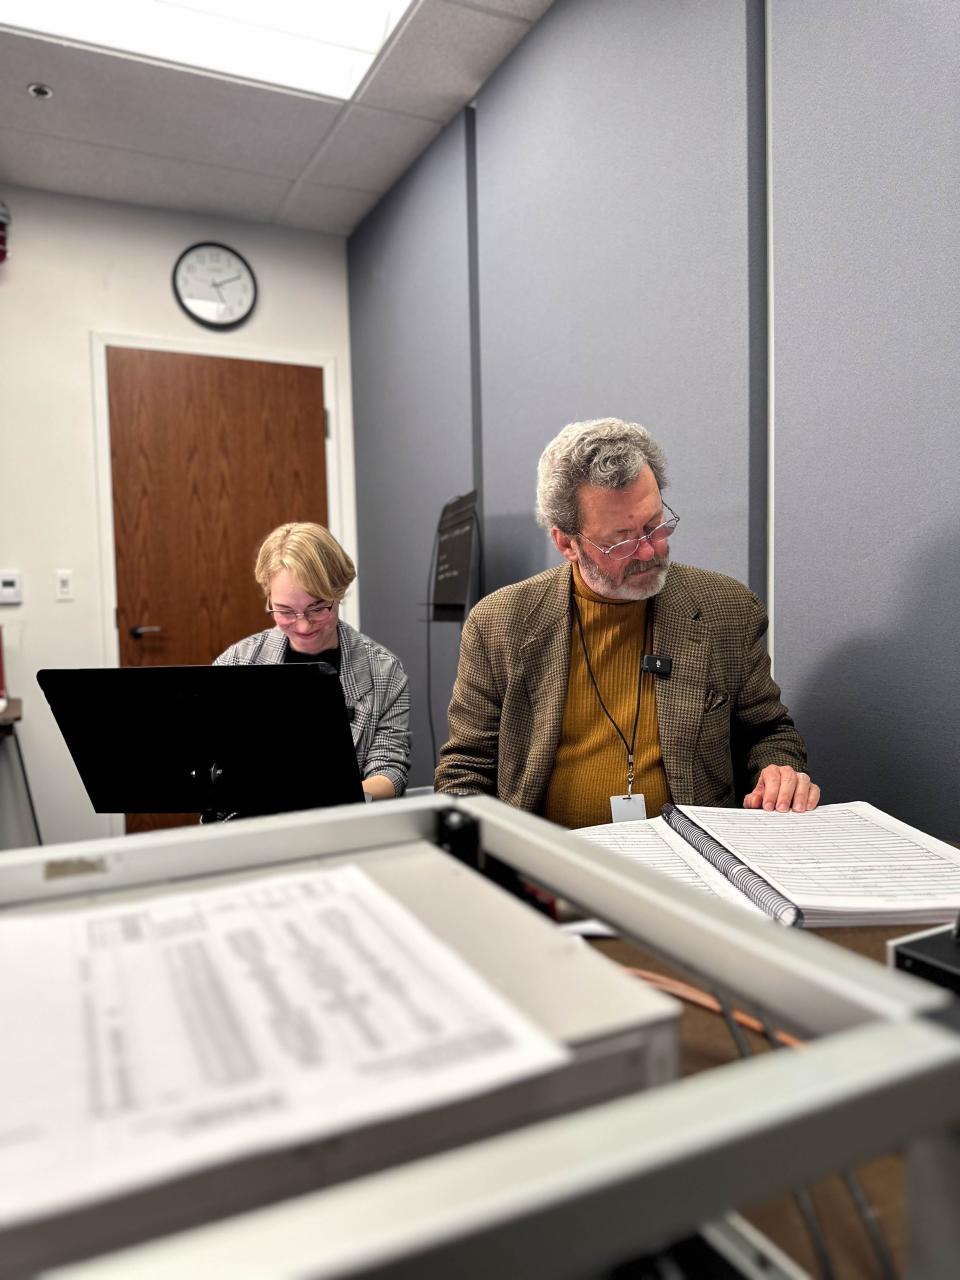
{"type": "Point", "coordinates": [79, 268]}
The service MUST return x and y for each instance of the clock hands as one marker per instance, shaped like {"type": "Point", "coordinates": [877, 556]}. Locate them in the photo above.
{"type": "Point", "coordinates": [214, 285]}
{"type": "Point", "coordinates": [218, 284]}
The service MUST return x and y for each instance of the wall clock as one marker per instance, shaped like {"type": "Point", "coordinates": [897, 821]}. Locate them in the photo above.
{"type": "Point", "coordinates": [214, 285]}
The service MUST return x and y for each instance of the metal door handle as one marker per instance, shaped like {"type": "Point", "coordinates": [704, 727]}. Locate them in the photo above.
{"type": "Point", "coordinates": [137, 632]}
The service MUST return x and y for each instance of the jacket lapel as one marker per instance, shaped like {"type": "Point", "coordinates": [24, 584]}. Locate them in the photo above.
{"type": "Point", "coordinates": [355, 678]}
{"type": "Point", "coordinates": [273, 648]}
{"type": "Point", "coordinates": [679, 633]}
{"type": "Point", "coordinates": [544, 658]}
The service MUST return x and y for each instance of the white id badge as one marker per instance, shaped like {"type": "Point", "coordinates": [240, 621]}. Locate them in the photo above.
{"type": "Point", "coordinates": [627, 808]}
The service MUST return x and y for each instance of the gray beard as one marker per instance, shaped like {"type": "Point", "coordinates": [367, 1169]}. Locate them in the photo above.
{"type": "Point", "coordinates": [598, 581]}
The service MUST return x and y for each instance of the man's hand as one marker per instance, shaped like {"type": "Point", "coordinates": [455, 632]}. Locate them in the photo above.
{"type": "Point", "coordinates": [781, 788]}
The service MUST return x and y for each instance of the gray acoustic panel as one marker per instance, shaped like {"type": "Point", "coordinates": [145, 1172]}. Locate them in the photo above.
{"type": "Point", "coordinates": [370, 149]}
{"type": "Point", "coordinates": [410, 352]}
{"type": "Point", "coordinates": [109, 173]}
{"type": "Point", "coordinates": [444, 54]}
{"type": "Point", "coordinates": [334, 210]}
{"type": "Point", "coordinates": [131, 104]}
{"type": "Point", "coordinates": [865, 175]}
{"type": "Point", "coordinates": [613, 250]}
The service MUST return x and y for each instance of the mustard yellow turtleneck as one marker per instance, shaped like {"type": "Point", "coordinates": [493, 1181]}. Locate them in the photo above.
{"type": "Point", "coordinates": [591, 761]}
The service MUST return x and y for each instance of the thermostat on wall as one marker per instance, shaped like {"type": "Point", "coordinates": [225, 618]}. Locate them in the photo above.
{"type": "Point", "coordinates": [11, 591]}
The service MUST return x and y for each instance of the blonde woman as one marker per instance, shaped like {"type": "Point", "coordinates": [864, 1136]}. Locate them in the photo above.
{"type": "Point", "coordinates": [304, 573]}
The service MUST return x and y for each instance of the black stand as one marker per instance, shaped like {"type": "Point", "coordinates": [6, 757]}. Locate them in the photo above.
{"type": "Point", "coordinates": [244, 740]}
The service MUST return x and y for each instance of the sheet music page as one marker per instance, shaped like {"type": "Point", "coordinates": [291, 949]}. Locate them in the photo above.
{"type": "Point", "coordinates": [841, 856]}
{"type": "Point", "coordinates": [154, 1036]}
{"type": "Point", "coordinates": [654, 845]}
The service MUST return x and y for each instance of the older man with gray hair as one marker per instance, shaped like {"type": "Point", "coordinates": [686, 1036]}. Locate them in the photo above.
{"type": "Point", "coordinates": [620, 673]}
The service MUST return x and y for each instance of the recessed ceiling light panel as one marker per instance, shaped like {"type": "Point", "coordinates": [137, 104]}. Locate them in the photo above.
{"type": "Point", "coordinates": [323, 47]}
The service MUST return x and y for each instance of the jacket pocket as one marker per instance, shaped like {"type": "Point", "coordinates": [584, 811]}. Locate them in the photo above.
{"type": "Point", "coordinates": [715, 700]}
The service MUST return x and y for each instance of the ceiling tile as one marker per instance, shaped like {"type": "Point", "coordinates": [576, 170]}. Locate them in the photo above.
{"type": "Point", "coordinates": [129, 177]}
{"type": "Point", "coordinates": [529, 10]}
{"type": "Point", "coordinates": [370, 149]}
{"type": "Point", "coordinates": [334, 210]}
{"type": "Point", "coordinates": [120, 102]}
{"type": "Point", "coordinates": [440, 59]}
{"type": "Point", "coordinates": [138, 132]}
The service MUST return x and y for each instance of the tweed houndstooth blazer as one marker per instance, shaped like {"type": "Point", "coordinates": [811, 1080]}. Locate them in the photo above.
{"type": "Point", "coordinates": [374, 689]}
{"type": "Point", "coordinates": [719, 714]}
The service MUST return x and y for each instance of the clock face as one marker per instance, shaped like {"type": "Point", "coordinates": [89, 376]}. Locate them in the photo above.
{"type": "Point", "coordinates": [214, 285]}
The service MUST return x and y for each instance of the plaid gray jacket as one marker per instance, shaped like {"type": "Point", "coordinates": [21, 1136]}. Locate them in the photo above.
{"type": "Point", "coordinates": [719, 714]}
{"type": "Point", "coordinates": [374, 687]}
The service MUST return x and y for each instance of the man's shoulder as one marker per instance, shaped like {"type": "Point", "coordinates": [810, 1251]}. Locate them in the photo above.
{"type": "Point", "coordinates": [520, 598]}
{"type": "Point", "coordinates": [709, 590]}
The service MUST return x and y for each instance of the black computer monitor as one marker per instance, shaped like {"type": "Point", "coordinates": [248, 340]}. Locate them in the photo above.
{"type": "Point", "coordinates": [245, 740]}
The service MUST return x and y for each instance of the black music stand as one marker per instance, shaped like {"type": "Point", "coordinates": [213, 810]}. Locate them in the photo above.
{"type": "Point", "coordinates": [233, 740]}
{"type": "Point", "coordinates": [455, 554]}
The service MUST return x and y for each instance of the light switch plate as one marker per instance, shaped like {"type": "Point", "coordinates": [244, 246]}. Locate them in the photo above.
{"type": "Point", "coordinates": [11, 586]}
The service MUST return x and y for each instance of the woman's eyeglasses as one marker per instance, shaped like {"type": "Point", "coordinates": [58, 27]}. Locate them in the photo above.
{"type": "Point", "coordinates": [313, 612]}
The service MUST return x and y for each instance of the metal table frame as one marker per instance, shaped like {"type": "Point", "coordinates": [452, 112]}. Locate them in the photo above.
{"type": "Point", "coordinates": [574, 1195]}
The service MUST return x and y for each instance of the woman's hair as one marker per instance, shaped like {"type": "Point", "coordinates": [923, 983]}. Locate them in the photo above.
{"type": "Point", "coordinates": [606, 452]}
{"type": "Point", "coordinates": [311, 555]}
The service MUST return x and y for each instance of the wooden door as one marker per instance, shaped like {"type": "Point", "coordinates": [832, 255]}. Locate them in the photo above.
{"type": "Point", "coordinates": [208, 455]}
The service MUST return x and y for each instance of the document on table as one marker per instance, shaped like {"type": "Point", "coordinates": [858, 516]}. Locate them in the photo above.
{"type": "Point", "coordinates": [843, 863]}
{"type": "Point", "coordinates": [150, 1038]}
{"type": "Point", "coordinates": [652, 844]}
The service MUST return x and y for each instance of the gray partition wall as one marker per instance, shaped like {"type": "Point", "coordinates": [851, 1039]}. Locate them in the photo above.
{"type": "Point", "coordinates": [614, 240]}
{"type": "Point", "coordinates": [865, 181]}
{"type": "Point", "coordinates": [615, 261]}
{"type": "Point", "coordinates": [611, 239]}
{"type": "Point", "coordinates": [412, 408]}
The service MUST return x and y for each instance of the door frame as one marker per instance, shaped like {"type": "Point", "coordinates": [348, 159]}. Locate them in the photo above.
{"type": "Point", "coordinates": [341, 490]}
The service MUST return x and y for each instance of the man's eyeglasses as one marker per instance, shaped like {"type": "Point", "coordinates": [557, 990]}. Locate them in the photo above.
{"type": "Point", "coordinates": [658, 537]}
{"type": "Point", "coordinates": [313, 612]}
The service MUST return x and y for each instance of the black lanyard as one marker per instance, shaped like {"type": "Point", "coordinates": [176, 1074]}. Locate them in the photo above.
{"type": "Point", "coordinates": [628, 746]}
